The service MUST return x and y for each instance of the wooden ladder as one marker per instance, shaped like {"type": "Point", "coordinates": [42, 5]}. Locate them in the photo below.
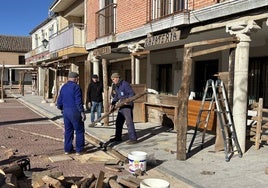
{"type": "Point", "coordinates": [258, 130]}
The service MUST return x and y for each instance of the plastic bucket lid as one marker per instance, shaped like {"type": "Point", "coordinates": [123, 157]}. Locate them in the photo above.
{"type": "Point", "coordinates": [138, 155]}
{"type": "Point", "coordinates": [154, 183]}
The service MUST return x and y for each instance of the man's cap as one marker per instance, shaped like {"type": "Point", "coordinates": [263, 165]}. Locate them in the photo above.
{"type": "Point", "coordinates": [115, 75]}
{"type": "Point", "coordinates": [73, 75]}
{"type": "Point", "coordinates": [95, 76]}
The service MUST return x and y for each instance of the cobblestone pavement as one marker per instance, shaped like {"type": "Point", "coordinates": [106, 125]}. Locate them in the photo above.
{"type": "Point", "coordinates": [28, 134]}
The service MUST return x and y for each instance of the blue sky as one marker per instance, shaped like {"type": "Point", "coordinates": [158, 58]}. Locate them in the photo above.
{"type": "Point", "coordinates": [20, 17]}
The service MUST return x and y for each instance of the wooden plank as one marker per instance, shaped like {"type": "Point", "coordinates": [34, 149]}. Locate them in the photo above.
{"type": "Point", "coordinates": [144, 52]}
{"type": "Point", "coordinates": [213, 41]}
{"type": "Point", "coordinates": [139, 112]}
{"type": "Point", "coordinates": [51, 181]}
{"type": "Point", "coordinates": [139, 88]}
{"type": "Point", "coordinates": [193, 110]}
{"type": "Point", "coordinates": [212, 50]}
{"type": "Point", "coordinates": [100, 179]}
{"type": "Point", "coordinates": [114, 184]}
{"type": "Point", "coordinates": [259, 122]}
{"type": "Point", "coordinates": [127, 183]}
{"type": "Point", "coordinates": [134, 180]}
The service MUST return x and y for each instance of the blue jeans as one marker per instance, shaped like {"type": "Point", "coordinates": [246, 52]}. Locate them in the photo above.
{"type": "Point", "coordinates": [95, 106]}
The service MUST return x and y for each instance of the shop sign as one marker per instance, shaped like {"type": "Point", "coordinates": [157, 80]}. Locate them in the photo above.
{"type": "Point", "coordinates": [162, 39]}
{"type": "Point", "coordinates": [54, 55]}
{"type": "Point", "coordinates": [102, 51]}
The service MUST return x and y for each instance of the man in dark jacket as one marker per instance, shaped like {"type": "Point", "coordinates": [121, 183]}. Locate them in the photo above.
{"type": "Point", "coordinates": [123, 90]}
{"type": "Point", "coordinates": [70, 102]}
{"type": "Point", "coordinates": [94, 97]}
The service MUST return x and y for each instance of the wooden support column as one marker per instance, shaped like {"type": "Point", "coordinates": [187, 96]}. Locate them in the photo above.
{"type": "Point", "coordinates": [22, 82]}
{"type": "Point", "coordinates": [132, 69]}
{"type": "Point", "coordinates": [45, 89]}
{"type": "Point", "coordinates": [230, 88]}
{"type": "Point", "coordinates": [2, 83]}
{"type": "Point", "coordinates": [87, 76]}
{"type": "Point", "coordinates": [182, 121]}
{"type": "Point", "coordinates": [105, 91]}
{"type": "Point", "coordinates": [56, 85]}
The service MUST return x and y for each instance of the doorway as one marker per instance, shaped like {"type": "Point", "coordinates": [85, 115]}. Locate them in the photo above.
{"type": "Point", "coordinates": [258, 80]}
{"type": "Point", "coordinates": [204, 70]}
{"type": "Point", "coordinates": [164, 78]}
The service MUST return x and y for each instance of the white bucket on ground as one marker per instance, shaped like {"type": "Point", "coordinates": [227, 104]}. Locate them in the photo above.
{"type": "Point", "coordinates": [154, 183]}
{"type": "Point", "coordinates": [137, 160]}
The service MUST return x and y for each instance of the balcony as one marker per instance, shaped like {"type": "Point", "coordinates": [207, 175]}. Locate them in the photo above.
{"type": "Point", "coordinates": [106, 20]}
{"type": "Point", "coordinates": [68, 41]}
{"type": "Point", "coordinates": [163, 8]}
{"type": "Point", "coordinates": [37, 55]}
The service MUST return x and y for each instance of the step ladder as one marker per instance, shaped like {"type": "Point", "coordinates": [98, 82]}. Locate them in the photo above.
{"type": "Point", "coordinates": [218, 97]}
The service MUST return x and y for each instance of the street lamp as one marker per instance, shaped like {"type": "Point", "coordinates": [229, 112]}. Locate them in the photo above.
{"type": "Point", "coordinates": [45, 43]}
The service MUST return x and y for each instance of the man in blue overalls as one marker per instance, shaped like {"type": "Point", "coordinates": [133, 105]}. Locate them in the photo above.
{"type": "Point", "coordinates": [123, 90]}
{"type": "Point", "coordinates": [70, 101]}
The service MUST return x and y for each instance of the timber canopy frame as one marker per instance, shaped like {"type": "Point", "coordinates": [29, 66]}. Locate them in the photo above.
{"type": "Point", "coordinates": [183, 94]}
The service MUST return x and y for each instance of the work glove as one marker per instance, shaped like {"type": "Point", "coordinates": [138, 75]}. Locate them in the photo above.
{"type": "Point", "coordinates": [83, 115]}
{"type": "Point", "coordinates": [112, 107]}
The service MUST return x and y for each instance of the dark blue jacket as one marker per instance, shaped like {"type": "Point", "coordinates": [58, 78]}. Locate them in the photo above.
{"type": "Point", "coordinates": [70, 97]}
{"type": "Point", "coordinates": [123, 90]}
{"type": "Point", "coordinates": [94, 92]}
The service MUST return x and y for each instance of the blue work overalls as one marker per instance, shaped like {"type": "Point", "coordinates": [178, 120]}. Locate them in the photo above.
{"type": "Point", "coordinates": [71, 104]}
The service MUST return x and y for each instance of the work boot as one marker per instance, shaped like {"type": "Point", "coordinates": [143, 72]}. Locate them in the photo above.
{"type": "Point", "coordinates": [130, 142]}
{"type": "Point", "coordinates": [115, 140]}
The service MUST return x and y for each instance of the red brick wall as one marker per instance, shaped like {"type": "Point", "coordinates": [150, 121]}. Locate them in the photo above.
{"type": "Point", "coordinates": [131, 14]}
{"type": "Point", "coordinates": [92, 8]}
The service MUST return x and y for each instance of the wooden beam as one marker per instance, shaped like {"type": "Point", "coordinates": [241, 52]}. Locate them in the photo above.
{"type": "Point", "coordinates": [100, 179]}
{"type": "Point", "coordinates": [183, 94]}
{"type": "Point", "coordinates": [213, 41]}
{"type": "Point", "coordinates": [105, 91]}
{"type": "Point", "coordinates": [144, 52]}
{"type": "Point", "coordinates": [212, 50]}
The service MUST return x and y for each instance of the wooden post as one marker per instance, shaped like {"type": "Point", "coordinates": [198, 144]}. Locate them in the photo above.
{"type": "Point", "coordinates": [183, 94]}
{"type": "Point", "coordinates": [105, 91]}
{"type": "Point", "coordinates": [231, 77]}
{"type": "Point", "coordinates": [2, 82]}
{"type": "Point", "coordinates": [56, 85]}
{"type": "Point", "coordinates": [45, 87]}
{"type": "Point", "coordinates": [132, 69]}
{"type": "Point", "coordinates": [87, 73]}
{"type": "Point", "coordinates": [22, 83]}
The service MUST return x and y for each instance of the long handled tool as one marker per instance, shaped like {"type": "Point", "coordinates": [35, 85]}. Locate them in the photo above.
{"type": "Point", "coordinates": [118, 105]}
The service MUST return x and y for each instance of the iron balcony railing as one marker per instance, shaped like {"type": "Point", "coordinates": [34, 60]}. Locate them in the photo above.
{"type": "Point", "coordinates": [106, 20]}
{"type": "Point", "coordinates": [162, 8]}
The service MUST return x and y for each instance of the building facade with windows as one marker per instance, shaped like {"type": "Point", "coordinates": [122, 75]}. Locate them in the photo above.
{"type": "Point", "coordinates": [58, 47]}
{"type": "Point", "coordinates": [12, 51]}
{"type": "Point", "coordinates": [145, 42]}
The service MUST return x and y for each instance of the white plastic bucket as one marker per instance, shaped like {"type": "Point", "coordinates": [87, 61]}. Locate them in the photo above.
{"type": "Point", "coordinates": [137, 160]}
{"type": "Point", "coordinates": [154, 183]}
